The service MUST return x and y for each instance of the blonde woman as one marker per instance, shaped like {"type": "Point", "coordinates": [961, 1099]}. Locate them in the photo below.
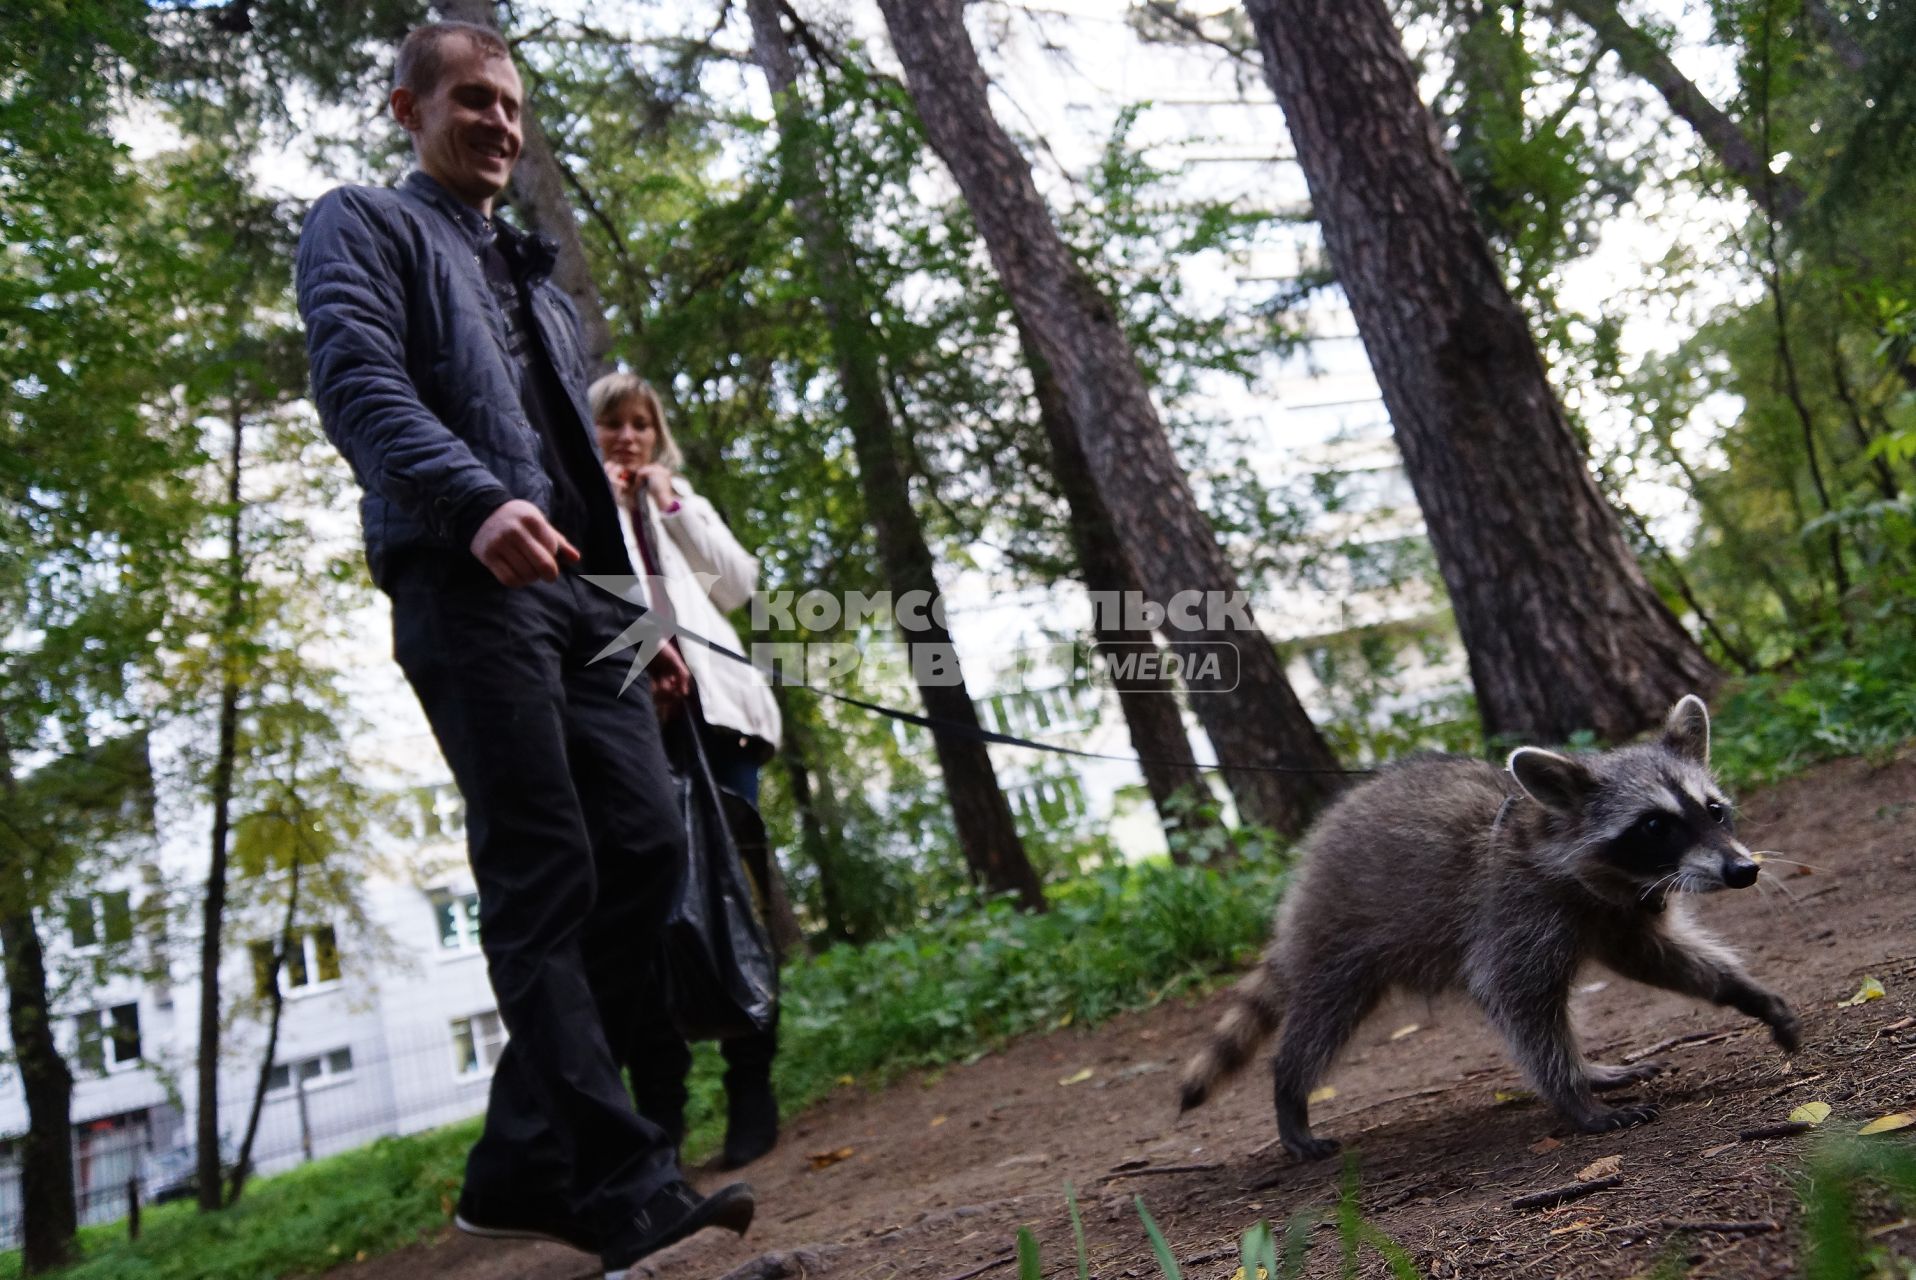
{"type": "Point", "coordinates": [676, 538]}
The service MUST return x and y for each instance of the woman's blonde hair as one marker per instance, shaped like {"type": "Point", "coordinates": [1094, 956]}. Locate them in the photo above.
{"type": "Point", "coordinates": [616, 391]}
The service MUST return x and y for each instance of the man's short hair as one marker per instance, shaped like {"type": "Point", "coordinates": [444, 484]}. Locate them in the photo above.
{"type": "Point", "coordinates": [422, 55]}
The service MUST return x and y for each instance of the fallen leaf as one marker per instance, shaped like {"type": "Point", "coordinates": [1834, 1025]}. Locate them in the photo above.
{"type": "Point", "coordinates": [1323, 1093]}
{"type": "Point", "coordinates": [938, 1120]}
{"type": "Point", "coordinates": [1889, 1123]}
{"type": "Point", "coordinates": [1872, 989]}
{"type": "Point", "coordinates": [846, 1080]}
{"type": "Point", "coordinates": [1408, 1029]}
{"type": "Point", "coordinates": [1147, 1035]}
{"type": "Point", "coordinates": [1578, 1225]}
{"type": "Point", "coordinates": [1065, 1021]}
{"type": "Point", "coordinates": [1079, 1078]}
{"type": "Point", "coordinates": [1543, 1146]}
{"type": "Point", "coordinates": [1888, 1228]}
{"type": "Point", "coordinates": [1602, 1168]}
{"type": "Point", "coordinates": [1713, 1152]}
{"type": "Point", "coordinates": [1513, 1095]}
{"type": "Point", "coordinates": [1811, 1113]}
{"type": "Point", "coordinates": [826, 1159]}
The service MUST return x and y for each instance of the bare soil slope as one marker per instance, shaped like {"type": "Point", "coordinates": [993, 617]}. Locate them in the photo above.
{"type": "Point", "coordinates": [934, 1176]}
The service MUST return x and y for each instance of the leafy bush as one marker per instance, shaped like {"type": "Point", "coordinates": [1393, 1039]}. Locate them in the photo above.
{"type": "Point", "coordinates": [1124, 938]}
{"type": "Point", "coordinates": [1857, 698]}
{"type": "Point", "coordinates": [369, 1201]}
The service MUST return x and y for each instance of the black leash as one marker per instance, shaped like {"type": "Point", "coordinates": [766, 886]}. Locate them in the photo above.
{"type": "Point", "coordinates": [970, 732]}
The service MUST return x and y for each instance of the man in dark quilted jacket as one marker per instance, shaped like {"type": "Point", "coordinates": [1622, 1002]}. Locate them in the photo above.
{"type": "Point", "coordinates": [448, 370]}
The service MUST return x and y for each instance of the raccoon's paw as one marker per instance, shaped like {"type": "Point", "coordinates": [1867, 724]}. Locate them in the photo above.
{"type": "Point", "coordinates": [1603, 1077]}
{"type": "Point", "coordinates": [1310, 1148]}
{"type": "Point", "coordinates": [1784, 1028]}
{"type": "Point", "coordinates": [1618, 1118]}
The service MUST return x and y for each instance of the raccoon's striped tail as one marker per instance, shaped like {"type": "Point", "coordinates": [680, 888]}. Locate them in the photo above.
{"type": "Point", "coordinates": [1257, 1006]}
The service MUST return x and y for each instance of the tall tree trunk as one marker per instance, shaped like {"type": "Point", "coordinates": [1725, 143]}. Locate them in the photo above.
{"type": "Point", "coordinates": [213, 906]}
{"type": "Point", "coordinates": [1841, 43]}
{"type": "Point", "coordinates": [1166, 537]}
{"type": "Point", "coordinates": [1562, 629]}
{"type": "Point", "coordinates": [46, 1152]}
{"type": "Point", "coordinates": [49, 1215]}
{"type": "Point", "coordinates": [243, 1162]}
{"type": "Point", "coordinates": [821, 830]}
{"type": "Point", "coordinates": [1149, 704]}
{"type": "Point", "coordinates": [538, 192]}
{"type": "Point", "coordinates": [1644, 58]}
{"type": "Point", "coordinates": [987, 832]}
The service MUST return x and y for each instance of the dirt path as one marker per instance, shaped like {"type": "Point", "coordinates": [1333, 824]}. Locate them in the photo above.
{"type": "Point", "coordinates": [943, 1169]}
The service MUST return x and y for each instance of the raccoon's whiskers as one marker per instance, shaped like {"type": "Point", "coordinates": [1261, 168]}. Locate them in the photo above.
{"type": "Point", "coordinates": [1785, 890]}
{"type": "Point", "coordinates": [1658, 884]}
{"type": "Point", "coordinates": [1770, 855]}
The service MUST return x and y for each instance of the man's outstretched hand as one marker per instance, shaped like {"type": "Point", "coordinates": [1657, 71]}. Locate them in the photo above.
{"type": "Point", "coordinates": [520, 545]}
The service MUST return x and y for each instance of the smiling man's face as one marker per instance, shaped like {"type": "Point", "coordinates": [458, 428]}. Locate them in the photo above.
{"type": "Point", "coordinates": [466, 129]}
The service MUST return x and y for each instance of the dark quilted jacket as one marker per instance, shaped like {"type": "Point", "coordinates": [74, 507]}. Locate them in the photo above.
{"type": "Point", "coordinates": [410, 367]}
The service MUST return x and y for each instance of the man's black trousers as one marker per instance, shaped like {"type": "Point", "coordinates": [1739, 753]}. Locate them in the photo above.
{"type": "Point", "coordinates": [575, 845]}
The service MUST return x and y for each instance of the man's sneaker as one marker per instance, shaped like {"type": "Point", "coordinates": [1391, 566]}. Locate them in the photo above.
{"type": "Point", "coordinates": [525, 1218]}
{"type": "Point", "coordinates": [751, 1125]}
{"type": "Point", "coordinates": [674, 1212]}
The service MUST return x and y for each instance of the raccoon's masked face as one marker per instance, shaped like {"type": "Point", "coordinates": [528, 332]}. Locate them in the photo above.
{"type": "Point", "coordinates": [1652, 820]}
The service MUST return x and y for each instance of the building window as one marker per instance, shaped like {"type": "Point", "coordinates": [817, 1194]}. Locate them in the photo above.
{"type": "Point", "coordinates": [326, 1068]}
{"type": "Point", "coordinates": [100, 918]}
{"type": "Point", "coordinates": [458, 917]}
{"type": "Point", "coordinates": [476, 1043]}
{"type": "Point", "coordinates": [107, 1040]}
{"type": "Point", "coordinates": [311, 962]}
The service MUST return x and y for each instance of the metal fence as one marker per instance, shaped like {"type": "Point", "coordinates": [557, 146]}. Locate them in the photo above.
{"type": "Point", "coordinates": [317, 1106]}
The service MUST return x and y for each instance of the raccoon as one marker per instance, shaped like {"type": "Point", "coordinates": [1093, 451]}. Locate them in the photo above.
{"type": "Point", "coordinates": [1445, 873]}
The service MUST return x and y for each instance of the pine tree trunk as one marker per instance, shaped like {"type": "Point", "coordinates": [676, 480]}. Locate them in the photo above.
{"type": "Point", "coordinates": [987, 833]}
{"type": "Point", "coordinates": [821, 833]}
{"type": "Point", "coordinates": [1562, 629]}
{"type": "Point", "coordinates": [49, 1216]}
{"type": "Point", "coordinates": [1644, 58]}
{"type": "Point", "coordinates": [538, 192]}
{"type": "Point", "coordinates": [1841, 43]}
{"type": "Point", "coordinates": [213, 906]}
{"type": "Point", "coordinates": [1165, 535]}
{"type": "Point", "coordinates": [1150, 705]}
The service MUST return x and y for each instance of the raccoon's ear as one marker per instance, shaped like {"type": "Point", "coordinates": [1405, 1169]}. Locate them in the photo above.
{"type": "Point", "coordinates": [1553, 781]}
{"type": "Point", "coordinates": [1687, 732]}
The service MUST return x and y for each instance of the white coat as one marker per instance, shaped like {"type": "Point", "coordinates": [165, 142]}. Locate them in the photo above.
{"type": "Point", "coordinates": [707, 575]}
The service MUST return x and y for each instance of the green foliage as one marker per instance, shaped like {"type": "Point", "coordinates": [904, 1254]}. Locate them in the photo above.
{"type": "Point", "coordinates": [1257, 1247]}
{"type": "Point", "coordinates": [1833, 1188]}
{"type": "Point", "coordinates": [985, 973]}
{"type": "Point", "coordinates": [303, 1222]}
{"type": "Point", "coordinates": [1844, 699]}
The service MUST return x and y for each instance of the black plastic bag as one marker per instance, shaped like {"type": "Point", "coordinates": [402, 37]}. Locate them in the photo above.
{"type": "Point", "coordinates": [720, 975]}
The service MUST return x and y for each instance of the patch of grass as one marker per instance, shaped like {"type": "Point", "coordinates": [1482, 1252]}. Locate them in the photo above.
{"type": "Point", "coordinates": [1857, 699]}
{"type": "Point", "coordinates": [1258, 1247]}
{"type": "Point", "coordinates": [1833, 1187]}
{"type": "Point", "coordinates": [947, 991]}
{"type": "Point", "coordinates": [958, 987]}
{"type": "Point", "coordinates": [302, 1222]}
